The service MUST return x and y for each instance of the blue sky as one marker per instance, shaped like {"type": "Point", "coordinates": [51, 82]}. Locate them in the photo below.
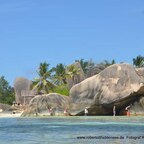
{"type": "Point", "coordinates": [62, 31]}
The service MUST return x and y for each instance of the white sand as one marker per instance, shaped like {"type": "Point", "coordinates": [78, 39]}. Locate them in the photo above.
{"type": "Point", "coordinates": [9, 114]}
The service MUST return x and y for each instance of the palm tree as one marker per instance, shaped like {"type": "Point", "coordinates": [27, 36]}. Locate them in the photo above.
{"type": "Point", "coordinates": [107, 63]}
{"type": "Point", "coordinates": [43, 84]}
{"type": "Point", "coordinates": [138, 61]}
{"type": "Point", "coordinates": [94, 68]}
{"type": "Point", "coordinates": [72, 71]}
{"type": "Point", "coordinates": [84, 65]}
{"type": "Point", "coordinates": [60, 74]}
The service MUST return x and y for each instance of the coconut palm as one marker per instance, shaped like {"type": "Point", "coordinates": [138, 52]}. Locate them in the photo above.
{"type": "Point", "coordinates": [94, 68]}
{"type": "Point", "coordinates": [138, 61]}
{"type": "Point", "coordinates": [59, 76]}
{"type": "Point", "coordinates": [107, 63]}
{"type": "Point", "coordinates": [84, 65]}
{"type": "Point", "coordinates": [43, 84]}
{"type": "Point", "coordinates": [72, 71]}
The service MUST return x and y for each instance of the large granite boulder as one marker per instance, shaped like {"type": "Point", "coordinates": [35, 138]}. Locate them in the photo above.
{"type": "Point", "coordinates": [22, 88]}
{"type": "Point", "coordinates": [118, 84]}
{"type": "Point", "coordinates": [140, 72]}
{"type": "Point", "coordinates": [41, 104]}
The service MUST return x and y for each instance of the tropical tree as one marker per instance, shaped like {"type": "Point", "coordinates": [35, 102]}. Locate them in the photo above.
{"type": "Point", "coordinates": [138, 61]}
{"type": "Point", "coordinates": [72, 71]}
{"type": "Point", "coordinates": [6, 92]}
{"type": "Point", "coordinates": [62, 89]}
{"type": "Point", "coordinates": [43, 84]}
{"type": "Point", "coordinates": [107, 63]}
{"type": "Point", "coordinates": [84, 65]}
{"type": "Point", "coordinates": [113, 62]}
{"type": "Point", "coordinates": [59, 76]}
{"type": "Point", "coordinates": [95, 68]}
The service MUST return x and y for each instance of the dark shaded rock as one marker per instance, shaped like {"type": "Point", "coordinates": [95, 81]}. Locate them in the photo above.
{"type": "Point", "coordinates": [41, 104]}
{"type": "Point", "coordinates": [138, 107]}
{"type": "Point", "coordinates": [118, 85]}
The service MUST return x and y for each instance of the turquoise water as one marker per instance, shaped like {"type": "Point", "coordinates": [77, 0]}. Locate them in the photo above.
{"type": "Point", "coordinates": [69, 130]}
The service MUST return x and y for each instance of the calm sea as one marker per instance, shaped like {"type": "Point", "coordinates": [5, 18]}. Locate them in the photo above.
{"type": "Point", "coordinates": [72, 130]}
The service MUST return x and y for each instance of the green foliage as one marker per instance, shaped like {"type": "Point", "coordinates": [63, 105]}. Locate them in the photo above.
{"type": "Point", "coordinates": [43, 84]}
{"type": "Point", "coordinates": [138, 61]}
{"type": "Point", "coordinates": [6, 92]}
{"type": "Point", "coordinates": [72, 71]}
{"type": "Point", "coordinates": [90, 64]}
{"type": "Point", "coordinates": [106, 63]}
{"type": "Point", "coordinates": [84, 65]}
{"type": "Point", "coordinates": [55, 79]}
{"type": "Point", "coordinates": [92, 68]}
{"type": "Point", "coordinates": [62, 89]}
{"type": "Point", "coordinates": [113, 62]}
{"type": "Point", "coordinates": [59, 76]}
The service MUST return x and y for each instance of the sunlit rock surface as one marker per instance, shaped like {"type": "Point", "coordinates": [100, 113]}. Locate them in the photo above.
{"type": "Point", "coordinates": [118, 85]}
{"type": "Point", "coordinates": [41, 104]}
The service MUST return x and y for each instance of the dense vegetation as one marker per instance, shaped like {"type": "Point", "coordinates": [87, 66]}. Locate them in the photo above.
{"type": "Point", "coordinates": [6, 92]}
{"type": "Point", "coordinates": [56, 78]}
{"type": "Point", "coordinates": [138, 61]}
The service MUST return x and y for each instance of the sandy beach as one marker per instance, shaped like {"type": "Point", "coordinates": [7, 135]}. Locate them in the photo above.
{"type": "Point", "coordinates": [9, 114]}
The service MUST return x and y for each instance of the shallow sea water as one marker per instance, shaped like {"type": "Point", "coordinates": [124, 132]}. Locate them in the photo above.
{"type": "Point", "coordinates": [72, 130]}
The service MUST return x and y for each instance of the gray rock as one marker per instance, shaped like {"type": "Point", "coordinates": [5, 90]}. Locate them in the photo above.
{"type": "Point", "coordinates": [95, 70]}
{"type": "Point", "coordinates": [140, 72]}
{"type": "Point", "coordinates": [5, 107]}
{"type": "Point", "coordinates": [138, 107]}
{"type": "Point", "coordinates": [118, 85]}
{"type": "Point", "coordinates": [22, 88]}
{"type": "Point", "coordinates": [41, 104]}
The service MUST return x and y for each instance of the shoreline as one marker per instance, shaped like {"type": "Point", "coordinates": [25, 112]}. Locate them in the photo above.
{"type": "Point", "coordinates": [9, 114]}
{"type": "Point", "coordinates": [18, 114]}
